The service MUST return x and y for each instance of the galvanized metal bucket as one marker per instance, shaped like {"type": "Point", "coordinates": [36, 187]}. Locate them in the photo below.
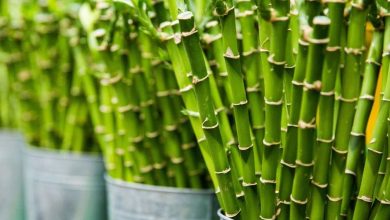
{"type": "Point", "coordinates": [222, 216]}
{"type": "Point", "coordinates": [11, 177]}
{"type": "Point", "coordinates": [64, 186]}
{"type": "Point", "coordinates": [132, 201]}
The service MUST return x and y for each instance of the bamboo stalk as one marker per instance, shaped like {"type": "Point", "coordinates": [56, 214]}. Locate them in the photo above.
{"type": "Point", "coordinates": [307, 118]}
{"type": "Point", "coordinates": [210, 123]}
{"type": "Point", "coordinates": [348, 98]}
{"type": "Point", "coordinates": [325, 111]}
{"type": "Point", "coordinates": [363, 109]}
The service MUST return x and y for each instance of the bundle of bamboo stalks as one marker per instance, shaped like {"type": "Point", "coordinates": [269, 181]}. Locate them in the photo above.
{"type": "Point", "coordinates": [273, 89]}
{"type": "Point", "coordinates": [277, 94]}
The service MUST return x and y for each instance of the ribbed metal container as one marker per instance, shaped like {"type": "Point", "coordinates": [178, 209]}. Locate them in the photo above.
{"type": "Point", "coordinates": [132, 201]}
{"type": "Point", "coordinates": [64, 186]}
{"type": "Point", "coordinates": [11, 177]}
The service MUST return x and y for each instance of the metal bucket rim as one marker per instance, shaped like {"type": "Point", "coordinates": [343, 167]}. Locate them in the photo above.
{"type": "Point", "coordinates": [34, 151]}
{"type": "Point", "coordinates": [166, 189]}
{"type": "Point", "coordinates": [222, 216]}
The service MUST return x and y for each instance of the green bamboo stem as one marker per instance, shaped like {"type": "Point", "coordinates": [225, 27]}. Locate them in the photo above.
{"type": "Point", "coordinates": [214, 38]}
{"type": "Point", "coordinates": [307, 118]}
{"type": "Point", "coordinates": [181, 68]}
{"type": "Point", "coordinates": [210, 123]}
{"type": "Point", "coordinates": [348, 98]}
{"type": "Point", "coordinates": [273, 96]}
{"type": "Point", "coordinates": [325, 132]}
{"type": "Point", "coordinates": [148, 112]}
{"type": "Point", "coordinates": [289, 151]}
{"type": "Point", "coordinates": [254, 85]}
{"type": "Point", "coordinates": [170, 124]}
{"type": "Point", "coordinates": [363, 109]}
{"type": "Point", "coordinates": [374, 149]}
{"type": "Point", "coordinates": [225, 10]}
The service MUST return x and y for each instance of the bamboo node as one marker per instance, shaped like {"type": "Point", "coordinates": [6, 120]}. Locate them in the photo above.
{"type": "Point", "coordinates": [292, 125]}
{"type": "Point", "coordinates": [318, 41]}
{"type": "Point", "coordinates": [301, 202]}
{"type": "Point", "coordinates": [367, 97]}
{"type": "Point", "coordinates": [254, 88]}
{"type": "Point", "coordinates": [385, 202]}
{"type": "Point", "coordinates": [230, 54]}
{"type": "Point", "coordinates": [258, 127]}
{"type": "Point", "coordinates": [333, 48]}
{"type": "Point", "coordinates": [125, 108]}
{"type": "Point", "coordinates": [218, 110]}
{"type": "Point", "coordinates": [151, 135]}
{"type": "Point", "coordinates": [339, 151]}
{"type": "Point", "coordinates": [350, 100]}
{"type": "Point", "coordinates": [285, 202]}
{"type": "Point", "coordinates": [146, 169]}
{"type": "Point", "coordinates": [272, 61]}
{"type": "Point", "coordinates": [357, 134]}
{"type": "Point", "coordinates": [186, 88]}
{"type": "Point", "coordinates": [146, 103]}
{"type": "Point", "coordinates": [210, 38]}
{"type": "Point", "coordinates": [278, 102]}
{"type": "Point", "coordinates": [120, 151]}
{"type": "Point", "coordinates": [250, 52]}
{"type": "Point", "coordinates": [99, 129]}
{"type": "Point", "coordinates": [375, 151]}
{"type": "Point", "coordinates": [223, 74]}
{"type": "Point", "coordinates": [265, 181]}
{"type": "Point", "coordinates": [159, 166]}
{"type": "Point", "coordinates": [300, 163]}
{"type": "Point", "coordinates": [110, 166]}
{"type": "Point", "coordinates": [246, 13]}
{"type": "Point", "coordinates": [264, 218]}
{"type": "Point", "coordinates": [240, 194]}
{"type": "Point", "coordinates": [365, 199]}
{"type": "Point", "coordinates": [328, 93]}
{"type": "Point", "coordinates": [210, 127]}
{"type": "Point", "coordinates": [294, 82]}
{"type": "Point", "coordinates": [328, 141]}
{"type": "Point", "coordinates": [202, 139]}
{"type": "Point", "coordinates": [293, 166]}
{"type": "Point", "coordinates": [109, 137]}
{"type": "Point", "coordinates": [381, 172]}
{"type": "Point", "coordinates": [177, 38]}
{"type": "Point", "coordinates": [316, 85]}
{"type": "Point", "coordinates": [354, 51]}
{"type": "Point", "coordinates": [196, 80]}
{"type": "Point", "coordinates": [172, 127]}
{"type": "Point", "coordinates": [319, 185]}
{"type": "Point", "coordinates": [244, 184]}
{"type": "Point", "coordinates": [225, 171]}
{"type": "Point", "coordinates": [187, 146]}
{"type": "Point", "coordinates": [269, 144]}
{"type": "Point", "coordinates": [335, 1]}
{"type": "Point", "coordinates": [189, 33]}
{"type": "Point", "coordinates": [232, 215]}
{"type": "Point", "coordinates": [138, 139]}
{"type": "Point", "coordinates": [245, 148]}
{"type": "Point", "coordinates": [307, 125]}
{"type": "Point", "coordinates": [211, 24]}
{"type": "Point", "coordinates": [370, 61]}
{"type": "Point", "coordinates": [163, 93]}
{"type": "Point", "coordinates": [244, 102]}
{"type": "Point", "coordinates": [177, 160]}
{"type": "Point", "coordinates": [348, 171]}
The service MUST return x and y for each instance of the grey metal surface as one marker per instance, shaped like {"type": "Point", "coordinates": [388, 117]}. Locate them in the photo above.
{"type": "Point", "coordinates": [131, 201]}
{"type": "Point", "coordinates": [222, 216]}
{"type": "Point", "coordinates": [11, 177]}
{"type": "Point", "coordinates": [64, 186]}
